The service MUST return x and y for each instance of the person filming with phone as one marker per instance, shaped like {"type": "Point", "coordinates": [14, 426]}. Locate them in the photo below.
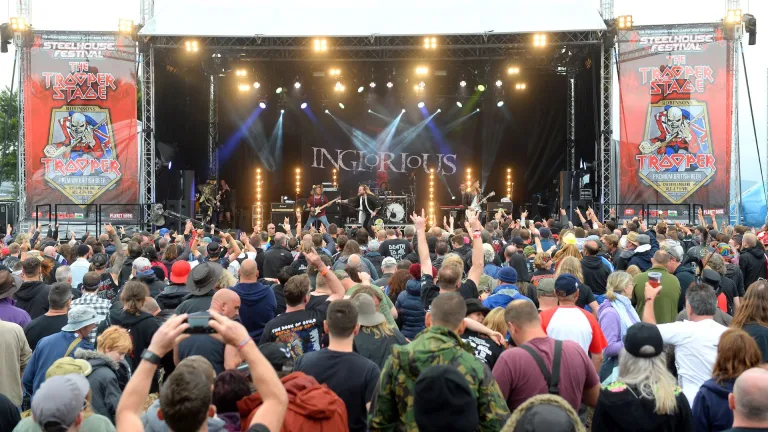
{"type": "Point", "coordinates": [665, 306]}
{"type": "Point", "coordinates": [227, 303]}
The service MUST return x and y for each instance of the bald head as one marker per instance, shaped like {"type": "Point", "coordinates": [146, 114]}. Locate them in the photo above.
{"type": "Point", "coordinates": [280, 239]}
{"type": "Point", "coordinates": [50, 251]}
{"type": "Point", "coordinates": [354, 261]}
{"type": "Point", "coordinates": [226, 302]}
{"type": "Point", "coordinates": [748, 401]}
{"type": "Point", "coordinates": [591, 248]}
{"type": "Point", "coordinates": [150, 306]}
{"type": "Point", "coordinates": [749, 241]}
{"type": "Point", "coordinates": [660, 258]}
{"type": "Point", "coordinates": [249, 271]}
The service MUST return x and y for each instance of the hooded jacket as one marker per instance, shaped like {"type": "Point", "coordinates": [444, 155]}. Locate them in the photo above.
{"type": "Point", "coordinates": [502, 296]}
{"type": "Point", "coordinates": [685, 274]}
{"type": "Point", "coordinates": [125, 271]}
{"type": "Point", "coordinates": [172, 296]}
{"type": "Point", "coordinates": [375, 258]}
{"type": "Point", "coordinates": [275, 259]}
{"type": "Point", "coordinates": [33, 298]}
{"type": "Point", "coordinates": [595, 273]}
{"type": "Point", "coordinates": [311, 406]}
{"type": "Point", "coordinates": [141, 327]}
{"type": "Point", "coordinates": [619, 410]}
{"type": "Point", "coordinates": [393, 402]}
{"type": "Point", "coordinates": [751, 264]}
{"type": "Point", "coordinates": [153, 424]}
{"type": "Point", "coordinates": [257, 306]}
{"type": "Point", "coordinates": [156, 286]}
{"type": "Point", "coordinates": [733, 273]}
{"type": "Point", "coordinates": [108, 378]}
{"type": "Point", "coordinates": [710, 407]}
{"type": "Point", "coordinates": [410, 311]}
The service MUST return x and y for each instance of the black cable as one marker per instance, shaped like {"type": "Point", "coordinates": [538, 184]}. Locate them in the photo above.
{"type": "Point", "coordinates": [754, 128]}
{"type": "Point", "coordinates": [8, 119]}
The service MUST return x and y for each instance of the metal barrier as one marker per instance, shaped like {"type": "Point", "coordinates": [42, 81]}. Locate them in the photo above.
{"type": "Point", "coordinates": [38, 214]}
{"type": "Point", "coordinates": [134, 218]}
{"type": "Point", "coordinates": [82, 215]}
{"type": "Point", "coordinates": [652, 213]}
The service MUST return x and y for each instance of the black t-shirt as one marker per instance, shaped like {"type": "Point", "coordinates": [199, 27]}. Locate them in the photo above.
{"type": "Point", "coordinates": [378, 349]}
{"type": "Point", "coordinates": [43, 326]}
{"type": "Point", "coordinates": [107, 287]}
{"type": "Point", "coordinates": [9, 414]}
{"type": "Point", "coordinates": [395, 248]}
{"type": "Point", "coordinates": [429, 291]}
{"type": "Point", "coordinates": [206, 346]}
{"type": "Point", "coordinates": [301, 330]}
{"type": "Point", "coordinates": [585, 296]}
{"type": "Point", "coordinates": [351, 376]}
{"type": "Point", "coordinates": [316, 301]}
{"type": "Point", "coordinates": [486, 350]}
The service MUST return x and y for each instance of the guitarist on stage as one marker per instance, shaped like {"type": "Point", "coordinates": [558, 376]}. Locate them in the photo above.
{"type": "Point", "coordinates": [367, 206]}
{"type": "Point", "coordinates": [317, 199]}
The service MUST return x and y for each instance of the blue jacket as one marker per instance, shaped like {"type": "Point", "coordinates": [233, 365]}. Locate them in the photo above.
{"type": "Point", "coordinates": [710, 407]}
{"type": "Point", "coordinates": [410, 311]}
{"type": "Point", "coordinates": [502, 296]}
{"type": "Point", "coordinates": [643, 259]}
{"type": "Point", "coordinates": [257, 306]}
{"type": "Point", "coordinates": [546, 244]}
{"type": "Point", "coordinates": [47, 351]}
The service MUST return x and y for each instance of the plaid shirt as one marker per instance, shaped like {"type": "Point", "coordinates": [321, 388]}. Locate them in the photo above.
{"type": "Point", "coordinates": [100, 305]}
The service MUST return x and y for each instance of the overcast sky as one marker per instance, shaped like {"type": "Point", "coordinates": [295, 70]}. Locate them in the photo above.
{"type": "Point", "coordinates": [105, 15]}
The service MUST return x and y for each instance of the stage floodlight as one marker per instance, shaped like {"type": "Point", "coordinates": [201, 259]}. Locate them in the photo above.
{"type": "Point", "coordinates": [459, 104]}
{"type": "Point", "coordinates": [439, 110]}
{"type": "Point", "coordinates": [500, 104]}
{"type": "Point", "coordinates": [19, 24]}
{"type": "Point", "coordinates": [304, 105]}
{"type": "Point", "coordinates": [513, 70]}
{"type": "Point", "coordinates": [389, 84]}
{"type": "Point", "coordinates": [481, 88]}
{"type": "Point", "coordinates": [422, 84]}
{"type": "Point", "coordinates": [297, 85]}
{"type": "Point", "coordinates": [243, 87]}
{"type": "Point", "coordinates": [372, 85]}
{"type": "Point", "coordinates": [256, 84]}
{"type": "Point", "coordinates": [421, 105]}
{"type": "Point", "coordinates": [539, 40]}
{"type": "Point", "coordinates": [125, 26]}
{"type": "Point", "coordinates": [733, 16]}
{"type": "Point", "coordinates": [327, 112]}
{"type": "Point", "coordinates": [403, 110]}
{"type": "Point", "coordinates": [339, 87]}
{"type": "Point", "coordinates": [624, 22]}
{"type": "Point", "coordinates": [279, 90]}
{"type": "Point", "coordinates": [262, 105]}
{"type": "Point", "coordinates": [360, 89]}
{"type": "Point", "coordinates": [192, 45]}
{"type": "Point", "coordinates": [321, 45]}
{"type": "Point", "coordinates": [477, 109]}
{"type": "Point", "coordinates": [282, 111]}
{"type": "Point", "coordinates": [498, 83]}
{"type": "Point", "coordinates": [341, 105]}
{"type": "Point", "coordinates": [334, 72]}
{"type": "Point", "coordinates": [422, 70]}
{"type": "Point", "coordinates": [520, 86]}
{"type": "Point", "coordinates": [430, 42]}
{"type": "Point", "coordinates": [463, 83]}
{"type": "Point", "coordinates": [241, 72]}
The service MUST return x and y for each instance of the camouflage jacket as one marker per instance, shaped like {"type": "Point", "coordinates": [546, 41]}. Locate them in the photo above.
{"type": "Point", "coordinates": [392, 405]}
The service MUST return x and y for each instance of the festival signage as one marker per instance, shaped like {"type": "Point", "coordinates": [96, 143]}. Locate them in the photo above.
{"type": "Point", "coordinates": [675, 116]}
{"type": "Point", "coordinates": [80, 127]}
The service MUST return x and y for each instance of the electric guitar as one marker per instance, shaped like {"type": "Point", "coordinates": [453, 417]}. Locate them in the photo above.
{"type": "Point", "coordinates": [319, 209]}
{"type": "Point", "coordinates": [478, 206]}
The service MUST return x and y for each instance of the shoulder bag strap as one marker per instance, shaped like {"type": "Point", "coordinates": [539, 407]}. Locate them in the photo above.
{"type": "Point", "coordinates": [553, 378]}
{"type": "Point", "coordinates": [73, 345]}
{"type": "Point", "coordinates": [540, 363]}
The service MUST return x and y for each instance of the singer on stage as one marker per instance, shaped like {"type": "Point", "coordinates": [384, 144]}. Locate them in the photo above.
{"type": "Point", "coordinates": [367, 206]}
{"type": "Point", "coordinates": [317, 199]}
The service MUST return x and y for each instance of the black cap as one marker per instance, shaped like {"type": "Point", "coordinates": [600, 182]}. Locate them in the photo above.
{"type": "Point", "coordinates": [644, 340]}
{"type": "Point", "coordinates": [711, 278]}
{"type": "Point", "coordinates": [213, 248]}
{"type": "Point", "coordinates": [518, 241]}
{"type": "Point", "coordinates": [277, 354]}
{"type": "Point", "coordinates": [442, 400]}
{"type": "Point", "coordinates": [475, 305]}
{"type": "Point", "coordinates": [100, 261]}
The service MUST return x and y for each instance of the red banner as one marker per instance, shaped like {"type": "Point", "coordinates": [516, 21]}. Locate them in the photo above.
{"type": "Point", "coordinates": [675, 111]}
{"type": "Point", "coordinates": [80, 128]}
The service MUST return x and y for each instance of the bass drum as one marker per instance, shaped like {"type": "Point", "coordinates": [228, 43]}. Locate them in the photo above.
{"type": "Point", "coordinates": [395, 213]}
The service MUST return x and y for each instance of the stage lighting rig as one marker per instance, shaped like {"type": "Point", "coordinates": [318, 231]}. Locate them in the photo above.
{"type": "Point", "coordinates": [339, 87]}
{"type": "Point", "coordinates": [430, 42]}
{"type": "Point", "coordinates": [480, 87]}
{"type": "Point", "coordinates": [19, 24]}
{"type": "Point", "coordinates": [509, 183]}
{"type": "Point", "coordinates": [520, 86]}
{"type": "Point", "coordinates": [462, 83]}
{"type": "Point", "coordinates": [263, 105]}
{"type": "Point", "coordinates": [360, 89]}
{"type": "Point", "coordinates": [126, 27]}
{"type": "Point", "coordinates": [420, 105]}
{"type": "Point", "coordinates": [297, 85]}
{"type": "Point", "coordinates": [624, 22]}
{"type": "Point", "coordinates": [341, 105]}
{"type": "Point", "coordinates": [321, 45]}
{"type": "Point", "coordinates": [192, 45]}
{"type": "Point", "coordinates": [422, 70]}
{"type": "Point", "coordinates": [241, 72]}
{"type": "Point", "coordinates": [334, 72]}
{"type": "Point", "coordinates": [298, 181]}
{"type": "Point", "coordinates": [279, 90]}
{"type": "Point", "coordinates": [539, 40]}
{"type": "Point", "coordinates": [243, 87]}
{"type": "Point", "coordinates": [733, 16]}
{"type": "Point", "coordinates": [513, 70]}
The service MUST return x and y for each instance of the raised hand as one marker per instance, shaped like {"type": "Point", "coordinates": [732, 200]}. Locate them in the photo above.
{"type": "Point", "coordinates": [169, 335]}
{"type": "Point", "coordinates": [419, 222]}
{"type": "Point", "coordinates": [313, 258]}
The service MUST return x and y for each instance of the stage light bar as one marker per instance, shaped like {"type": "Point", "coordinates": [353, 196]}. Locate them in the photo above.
{"type": "Point", "coordinates": [297, 85]}
{"type": "Point", "coordinates": [341, 105]}
{"type": "Point", "coordinates": [539, 40]}
{"type": "Point", "coordinates": [509, 183]}
{"type": "Point", "coordinates": [304, 105]}
{"type": "Point", "coordinates": [192, 45]}
{"type": "Point", "coordinates": [262, 105]}
{"type": "Point", "coordinates": [298, 181]}
{"type": "Point", "coordinates": [259, 206]}
{"type": "Point", "coordinates": [360, 89]}
{"type": "Point", "coordinates": [243, 87]}
{"type": "Point", "coordinates": [389, 84]}
{"type": "Point", "coordinates": [241, 72]}
{"type": "Point", "coordinates": [432, 195]}
{"type": "Point", "coordinates": [459, 104]}
{"type": "Point", "coordinates": [520, 86]}
{"type": "Point", "coordinates": [469, 177]}
{"type": "Point", "coordinates": [734, 16]}
{"type": "Point", "coordinates": [372, 85]}
{"type": "Point", "coordinates": [624, 22]}
{"type": "Point", "coordinates": [500, 104]}
{"type": "Point", "coordinates": [481, 88]}
{"type": "Point", "coordinates": [513, 70]}
{"type": "Point", "coordinates": [321, 45]}
{"type": "Point", "coordinates": [256, 84]}
{"type": "Point", "coordinates": [19, 24]}
{"type": "Point", "coordinates": [334, 178]}
{"type": "Point", "coordinates": [339, 87]}
{"type": "Point", "coordinates": [422, 70]}
{"type": "Point", "coordinates": [420, 105]}
{"type": "Point", "coordinates": [463, 83]}
{"type": "Point", "coordinates": [125, 26]}
{"type": "Point", "coordinates": [334, 72]}
{"type": "Point", "coordinates": [430, 42]}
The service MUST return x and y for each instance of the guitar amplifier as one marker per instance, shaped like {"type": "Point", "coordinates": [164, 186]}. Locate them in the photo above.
{"type": "Point", "coordinates": [282, 207]}
{"type": "Point", "coordinates": [492, 207]}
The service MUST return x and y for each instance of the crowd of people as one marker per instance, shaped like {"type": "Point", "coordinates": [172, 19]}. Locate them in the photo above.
{"type": "Point", "coordinates": [514, 325]}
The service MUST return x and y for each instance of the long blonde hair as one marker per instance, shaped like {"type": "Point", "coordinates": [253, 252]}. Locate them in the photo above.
{"type": "Point", "coordinates": [568, 250]}
{"type": "Point", "coordinates": [495, 320]}
{"type": "Point", "coordinates": [378, 331]}
{"type": "Point", "coordinates": [617, 282]}
{"type": "Point", "coordinates": [572, 266]}
{"type": "Point", "coordinates": [651, 378]}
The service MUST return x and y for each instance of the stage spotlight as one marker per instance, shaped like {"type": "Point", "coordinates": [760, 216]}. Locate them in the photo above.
{"type": "Point", "coordinates": [463, 83]}
{"type": "Point", "coordinates": [241, 72]}
{"type": "Point", "coordinates": [304, 105]}
{"type": "Point", "coordinates": [421, 105]}
{"type": "Point", "coordinates": [256, 85]}
{"type": "Point", "coordinates": [430, 42]}
{"type": "Point", "coordinates": [439, 110]}
{"type": "Point", "coordinates": [372, 85]}
{"type": "Point", "coordinates": [512, 70]}
{"type": "Point", "coordinates": [498, 83]}
{"type": "Point", "coordinates": [520, 86]}
{"type": "Point", "coordinates": [321, 45]}
{"type": "Point", "coordinates": [422, 84]}
{"type": "Point", "coordinates": [279, 90]}
{"type": "Point", "coordinates": [334, 72]}
{"type": "Point", "coordinates": [422, 70]}
{"type": "Point", "coordinates": [190, 45]}
{"type": "Point", "coordinates": [125, 26]}
{"type": "Point", "coordinates": [403, 110]}
{"type": "Point", "coordinates": [389, 84]}
{"type": "Point", "coordinates": [297, 84]}
{"type": "Point", "coordinates": [370, 111]}
{"type": "Point", "coordinates": [416, 87]}
{"type": "Point", "coordinates": [341, 105]}
{"type": "Point", "coordinates": [500, 104]}
{"type": "Point", "coordinates": [360, 89]}
{"type": "Point", "coordinates": [539, 40]}
{"type": "Point", "coordinates": [19, 24]}
{"type": "Point", "coordinates": [327, 112]}
{"type": "Point", "coordinates": [262, 105]}
{"type": "Point", "coordinates": [459, 104]}
{"type": "Point", "coordinates": [624, 22]}
{"type": "Point", "coordinates": [481, 88]}
{"type": "Point", "coordinates": [477, 109]}
{"type": "Point", "coordinates": [339, 87]}
{"type": "Point", "coordinates": [282, 111]}
{"type": "Point", "coordinates": [733, 16]}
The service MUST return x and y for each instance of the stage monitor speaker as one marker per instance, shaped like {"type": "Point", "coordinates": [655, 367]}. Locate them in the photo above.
{"type": "Point", "coordinates": [569, 188]}
{"type": "Point", "coordinates": [7, 216]}
{"type": "Point", "coordinates": [278, 218]}
{"type": "Point", "coordinates": [180, 206]}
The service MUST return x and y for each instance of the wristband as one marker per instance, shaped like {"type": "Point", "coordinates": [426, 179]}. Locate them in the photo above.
{"type": "Point", "coordinates": [647, 299]}
{"type": "Point", "coordinates": [242, 344]}
{"type": "Point", "coordinates": [324, 272]}
{"type": "Point", "coordinates": [476, 235]}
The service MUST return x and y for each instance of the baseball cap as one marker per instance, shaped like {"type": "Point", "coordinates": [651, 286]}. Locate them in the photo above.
{"type": "Point", "coordinates": [91, 281]}
{"type": "Point", "coordinates": [180, 272]}
{"type": "Point", "coordinates": [388, 262]}
{"type": "Point", "coordinates": [442, 400]}
{"type": "Point", "coordinates": [163, 231]}
{"type": "Point", "coordinates": [6, 252]}
{"type": "Point", "coordinates": [529, 250]}
{"type": "Point", "coordinates": [518, 241]}
{"type": "Point", "coordinates": [711, 278]}
{"type": "Point", "coordinates": [142, 266]}
{"type": "Point", "coordinates": [546, 287]}
{"type": "Point", "coordinates": [643, 340]}
{"type": "Point", "coordinates": [367, 315]}
{"type": "Point", "coordinates": [277, 354]}
{"type": "Point", "coordinates": [100, 261]}
{"type": "Point", "coordinates": [415, 271]}
{"type": "Point", "coordinates": [213, 248]}
{"type": "Point", "coordinates": [567, 284]}
{"type": "Point", "coordinates": [58, 401]}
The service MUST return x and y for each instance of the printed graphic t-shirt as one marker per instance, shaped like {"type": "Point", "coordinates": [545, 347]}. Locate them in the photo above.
{"type": "Point", "coordinates": [301, 330]}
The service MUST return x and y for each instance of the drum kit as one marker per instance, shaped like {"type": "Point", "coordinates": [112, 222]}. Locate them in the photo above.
{"type": "Point", "coordinates": [395, 208]}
